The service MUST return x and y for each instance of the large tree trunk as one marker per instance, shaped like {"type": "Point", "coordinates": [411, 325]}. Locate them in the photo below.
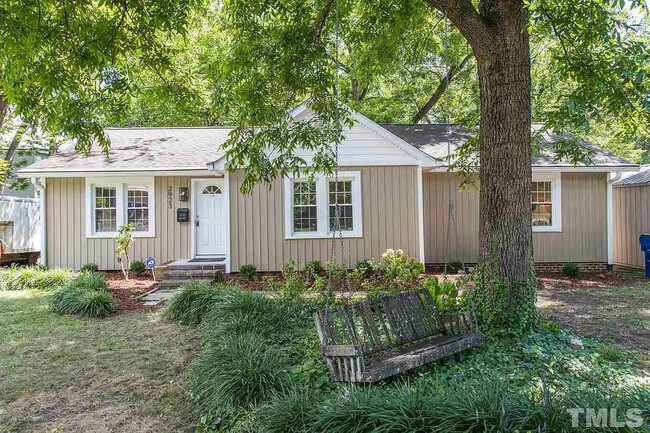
{"type": "Point", "coordinates": [505, 234]}
{"type": "Point", "coordinates": [498, 35]}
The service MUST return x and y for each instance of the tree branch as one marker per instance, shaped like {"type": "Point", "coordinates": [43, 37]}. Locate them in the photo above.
{"type": "Point", "coordinates": [440, 90]}
{"type": "Point", "coordinates": [323, 19]}
{"type": "Point", "coordinates": [466, 18]}
{"type": "Point", "coordinates": [4, 106]}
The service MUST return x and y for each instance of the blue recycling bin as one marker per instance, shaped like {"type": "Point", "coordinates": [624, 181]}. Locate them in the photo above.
{"type": "Point", "coordinates": [644, 240]}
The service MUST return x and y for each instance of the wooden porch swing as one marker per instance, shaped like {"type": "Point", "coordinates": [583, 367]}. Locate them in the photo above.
{"type": "Point", "coordinates": [371, 340]}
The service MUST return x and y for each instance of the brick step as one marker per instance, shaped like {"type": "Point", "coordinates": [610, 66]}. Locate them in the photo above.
{"type": "Point", "coordinates": [191, 273]}
{"type": "Point", "coordinates": [172, 284]}
{"type": "Point", "coordinates": [221, 266]}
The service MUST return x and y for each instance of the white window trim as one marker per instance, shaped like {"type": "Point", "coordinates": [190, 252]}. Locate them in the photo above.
{"type": "Point", "coordinates": [121, 196]}
{"type": "Point", "coordinates": [322, 207]}
{"type": "Point", "coordinates": [556, 201]}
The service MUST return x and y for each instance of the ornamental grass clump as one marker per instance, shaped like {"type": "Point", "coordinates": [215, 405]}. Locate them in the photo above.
{"type": "Point", "coordinates": [294, 411]}
{"type": "Point", "coordinates": [33, 278]}
{"type": "Point", "coordinates": [238, 371]}
{"type": "Point", "coordinates": [86, 294]}
{"type": "Point", "coordinates": [192, 303]}
{"type": "Point", "coordinates": [239, 311]}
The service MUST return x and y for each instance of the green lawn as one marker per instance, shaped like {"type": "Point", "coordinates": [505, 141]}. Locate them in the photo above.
{"type": "Point", "coordinates": [63, 373]}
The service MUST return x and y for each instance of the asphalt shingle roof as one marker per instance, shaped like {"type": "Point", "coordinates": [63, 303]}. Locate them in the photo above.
{"type": "Point", "coordinates": [641, 178]}
{"type": "Point", "coordinates": [158, 149]}
{"type": "Point", "coordinates": [144, 149]}
{"type": "Point", "coordinates": [432, 139]}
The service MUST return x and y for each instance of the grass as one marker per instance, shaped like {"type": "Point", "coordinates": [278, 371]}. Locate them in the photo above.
{"type": "Point", "coordinates": [616, 311]}
{"type": "Point", "coordinates": [66, 373]}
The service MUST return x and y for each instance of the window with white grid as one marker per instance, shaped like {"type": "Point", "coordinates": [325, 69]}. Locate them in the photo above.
{"type": "Point", "coordinates": [305, 209]}
{"type": "Point", "coordinates": [310, 206]}
{"type": "Point", "coordinates": [113, 202]}
{"type": "Point", "coordinates": [542, 203]}
{"type": "Point", "coordinates": [546, 202]}
{"type": "Point", "coordinates": [346, 209]}
{"type": "Point", "coordinates": [137, 202]}
{"type": "Point", "coordinates": [105, 211]}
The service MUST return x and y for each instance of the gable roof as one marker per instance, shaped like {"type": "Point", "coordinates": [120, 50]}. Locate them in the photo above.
{"type": "Point", "coordinates": [432, 139]}
{"type": "Point", "coordinates": [141, 150]}
{"type": "Point", "coordinates": [148, 150]}
{"type": "Point", "coordinates": [390, 149]}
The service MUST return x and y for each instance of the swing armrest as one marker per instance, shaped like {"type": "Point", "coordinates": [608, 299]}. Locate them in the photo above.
{"type": "Point", "coordinates": [335, 350]}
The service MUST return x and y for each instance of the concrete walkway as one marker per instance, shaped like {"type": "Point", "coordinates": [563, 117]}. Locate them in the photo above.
{"type": "Point", "coordinates": [160, 295]}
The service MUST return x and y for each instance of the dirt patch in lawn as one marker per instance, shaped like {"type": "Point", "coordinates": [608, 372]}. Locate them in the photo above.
{"type": "Point", "coordinates": [612, 306]}
{"type": "Point", "coordinates": [65, 373]}
{"type": "Point", "coordinates": [125, 292]}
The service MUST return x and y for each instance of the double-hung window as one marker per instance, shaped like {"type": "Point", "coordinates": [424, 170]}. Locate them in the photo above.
{"type": "Point", "coordinates": [546, 202]}
{"type": "Point", "coordinates": [111, 203]}
{"type": "Point", "coordinates": [314, 206]}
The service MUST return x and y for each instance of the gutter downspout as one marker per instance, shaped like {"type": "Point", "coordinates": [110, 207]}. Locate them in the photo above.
{"type": "Point", "coordinates": [612, 177]}
{"type": "Point", "coordinates": [40, 187]}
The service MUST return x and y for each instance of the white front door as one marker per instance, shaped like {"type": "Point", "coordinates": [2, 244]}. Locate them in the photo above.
{"type": "Point", "coordinates": [209, 218]}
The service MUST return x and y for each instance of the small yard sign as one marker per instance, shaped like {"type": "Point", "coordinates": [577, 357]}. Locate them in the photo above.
{"type": "Point", "coordinates": [150, 263]}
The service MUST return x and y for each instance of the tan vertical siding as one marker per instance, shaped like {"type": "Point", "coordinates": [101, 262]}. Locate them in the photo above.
{"type": "Point", "coordinates": [584, 220]}
{"type": "Point", "coordinates": [68, 246]}
{"type": "Point", "coordinates": [389, 208]}
{"type": "Point", "coordinates": [631, 219]}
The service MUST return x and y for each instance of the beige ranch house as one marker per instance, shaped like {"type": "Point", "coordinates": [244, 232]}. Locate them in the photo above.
{"type": "Point", "coordinates": [394, 190]}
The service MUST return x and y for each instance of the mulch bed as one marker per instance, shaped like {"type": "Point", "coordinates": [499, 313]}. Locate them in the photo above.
{"type": "Point", "coordinates": [124, 291]}
{"type": "Point", "coordinates": [587, 280]}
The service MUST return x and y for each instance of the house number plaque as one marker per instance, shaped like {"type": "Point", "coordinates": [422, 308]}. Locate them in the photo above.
{"type": "Point", "coordinates": [170, 197]}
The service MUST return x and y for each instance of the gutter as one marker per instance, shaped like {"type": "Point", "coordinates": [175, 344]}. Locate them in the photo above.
{"type": "Point", "coordinates": [612, 177]}
{"type": "Point", "coordinates": [40, 187]}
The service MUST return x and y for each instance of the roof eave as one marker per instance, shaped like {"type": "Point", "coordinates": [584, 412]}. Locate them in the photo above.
{"type": "Point", "coordinates": [168, 171]}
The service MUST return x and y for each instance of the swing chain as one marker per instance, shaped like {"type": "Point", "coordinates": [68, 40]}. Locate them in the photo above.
{"type": "Point", "coordinates": [451, 219]}
{"type": "Point", "coordinates": [336, 226]}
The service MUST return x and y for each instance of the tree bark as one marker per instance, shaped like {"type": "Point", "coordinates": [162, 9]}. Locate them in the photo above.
{"type": "Point", "coordinates": [440, 90]}
{"type": "Point", "coordinates": [505, 233]}
{"type": "Point", "coordinates": [498, 35]}
{"type": "Point", "coordinates": [4, 106]}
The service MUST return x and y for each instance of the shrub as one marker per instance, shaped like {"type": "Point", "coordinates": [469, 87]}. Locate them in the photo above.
{"type": "Point", "coordinates": [90, 267]}
{"type": "Point", "coordinates": [313, 268]}
{"type": "Point", "coordinates": [238, 371]}
{"type": "Point", "coordinates": [293, 288]}
{"type": "Point", "coordinates": [396, 265]}
{"type": "Point", "coordinates": [454, 266]}
{"type": "Point", "coordinates": [335, 271]}
{"type": "Point", "coordinates": [86, 294]}
{"type": "Point", "coordinates": [240, 311]}
{"type": "Point", "coordinates": [248, 272]}
{"type": "Point", "coordinates": [190, 305]}
{"type": "Point", "coordinates": [295, 411]}
{"type": "Point", "coordinates": [571, 270]}
{"type": "Point", "coordinates": [138, 267]}
{"type": "Point", "coordinates": [367, 268]}
{"type": "Point", "coordinates": [445, 294]}
{"type": "Point", "coordinates": [87, 281]}
{"type": "Point", "coordinates": [33, 278]}
{"type": "Point", "coordinates": [289, 268]}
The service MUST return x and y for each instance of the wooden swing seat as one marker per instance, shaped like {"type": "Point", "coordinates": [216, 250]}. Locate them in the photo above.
{"type": "Point", "coordinates": [371, 340]}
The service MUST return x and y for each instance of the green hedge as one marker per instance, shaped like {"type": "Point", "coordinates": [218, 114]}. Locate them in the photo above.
{"type": "Point", "coordinates": [34, 278]}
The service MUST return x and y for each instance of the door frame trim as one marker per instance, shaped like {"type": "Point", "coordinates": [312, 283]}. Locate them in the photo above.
{"type": "Point", "coordinates": [223, 181]}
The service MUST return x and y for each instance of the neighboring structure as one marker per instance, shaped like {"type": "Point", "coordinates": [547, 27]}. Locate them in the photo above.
{"type": "Point", "coordinates": [631, 218]}
{"type": "Point", "coordinates": [20, 225]}
{"type": "Point", "coordinates": [394, 188]}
